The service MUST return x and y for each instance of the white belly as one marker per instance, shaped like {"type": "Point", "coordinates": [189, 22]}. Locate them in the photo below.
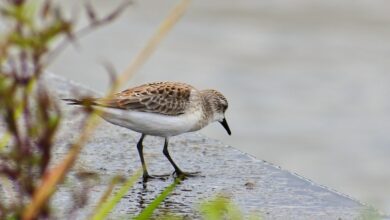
{"type": "Point", "coordinates": [151, 123]}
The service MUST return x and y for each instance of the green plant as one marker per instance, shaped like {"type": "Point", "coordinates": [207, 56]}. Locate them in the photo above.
{"type": "Point", "coordinates": [29, 114]}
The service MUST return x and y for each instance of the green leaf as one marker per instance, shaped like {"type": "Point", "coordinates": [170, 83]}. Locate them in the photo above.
{"type": "Point", "coordinates": [221, 207]}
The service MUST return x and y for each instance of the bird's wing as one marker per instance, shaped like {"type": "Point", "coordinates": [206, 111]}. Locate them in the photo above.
{"type": "Point", "coordinates": [164, 97]}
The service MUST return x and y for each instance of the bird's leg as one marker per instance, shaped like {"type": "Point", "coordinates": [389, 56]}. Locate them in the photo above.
{"type": "Point", "coordinates": [141, 155]}
{"type": "Point", "coordinates": [145, 175]}
{"type": "Point", "coordinates": [178, 171]}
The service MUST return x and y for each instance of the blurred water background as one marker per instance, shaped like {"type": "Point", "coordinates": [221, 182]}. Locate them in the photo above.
{"type": "Point", "coordinates": [307, 80]}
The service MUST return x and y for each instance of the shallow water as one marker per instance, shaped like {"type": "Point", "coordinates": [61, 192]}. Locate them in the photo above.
{"type": "Point", "coordinates": [307, 81]}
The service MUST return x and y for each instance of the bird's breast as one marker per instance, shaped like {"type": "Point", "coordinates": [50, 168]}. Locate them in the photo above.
{"type": "Point", "coordinates": [154, 123]}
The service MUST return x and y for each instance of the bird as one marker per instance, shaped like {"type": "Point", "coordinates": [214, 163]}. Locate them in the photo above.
{"type": "Point", "coordinates": [163, 109]}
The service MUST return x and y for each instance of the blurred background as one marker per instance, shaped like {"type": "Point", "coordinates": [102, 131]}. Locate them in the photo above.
{"type": "Point", "coordinates": [307, 81]}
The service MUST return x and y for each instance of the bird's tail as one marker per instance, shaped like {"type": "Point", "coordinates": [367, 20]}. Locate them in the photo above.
{"type": "Point", "coordinates": [73, 101]}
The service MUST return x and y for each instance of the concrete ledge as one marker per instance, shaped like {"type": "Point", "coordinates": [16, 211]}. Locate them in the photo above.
{"type": "Point", "coordinates": [255, 185]}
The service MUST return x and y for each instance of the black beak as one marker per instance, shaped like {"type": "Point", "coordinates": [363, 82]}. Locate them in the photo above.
{"type": "Point", "coordinates": [226, 126]}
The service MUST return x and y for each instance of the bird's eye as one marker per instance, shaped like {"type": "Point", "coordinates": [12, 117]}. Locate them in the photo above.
{"type": "Point", "coordinates": [224, 107]}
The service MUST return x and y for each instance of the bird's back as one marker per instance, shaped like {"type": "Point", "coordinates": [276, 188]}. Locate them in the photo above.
{"type": "Point", "coordinates": [167, 98]}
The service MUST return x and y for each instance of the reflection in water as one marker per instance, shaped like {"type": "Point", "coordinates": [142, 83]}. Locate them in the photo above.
{"type": "Point", "coordinates": [141, 195]}
{"type": "Point", "coordinates": [145, 192]}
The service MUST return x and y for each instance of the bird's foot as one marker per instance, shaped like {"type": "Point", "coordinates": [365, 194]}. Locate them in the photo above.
{"type": "Point", "coordinates": [183, 175]}
{"type": "Point", "coordinates": [147, 177]}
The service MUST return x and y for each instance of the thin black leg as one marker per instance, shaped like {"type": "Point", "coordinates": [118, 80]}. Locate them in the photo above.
{"type": "Point", "coordinates": [166, 153]}
{"type": "Point", "coordinates": [141, 155]}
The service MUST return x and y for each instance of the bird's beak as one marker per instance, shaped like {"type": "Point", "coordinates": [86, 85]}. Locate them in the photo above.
{"type": "Point", "coordinates": [226, 126]}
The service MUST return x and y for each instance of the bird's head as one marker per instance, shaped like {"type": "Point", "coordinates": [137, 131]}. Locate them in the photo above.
{"type": "Point", "coordinates": [218, 104]}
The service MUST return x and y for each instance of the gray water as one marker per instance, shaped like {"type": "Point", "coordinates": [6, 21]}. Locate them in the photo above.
{"type": "Point", "coordinates": [307, 81]}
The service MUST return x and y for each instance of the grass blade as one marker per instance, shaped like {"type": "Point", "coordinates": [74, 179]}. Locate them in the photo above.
{"type": "Point", "coordinates": [149, 210]}
{"type": "Point", "coordinates": [109, 205]}
{"type": "Point", "coordinates": [167, 24]}
{"type": "Point", "coordinates": [4, 140]}
{"type": "Point", "coordinates": [107, 193]}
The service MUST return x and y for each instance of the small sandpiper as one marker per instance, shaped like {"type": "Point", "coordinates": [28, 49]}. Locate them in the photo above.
{"type": "Point", "coordinates": [163, 109]}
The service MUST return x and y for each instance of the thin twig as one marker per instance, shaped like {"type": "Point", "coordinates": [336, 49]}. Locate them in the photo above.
{"type": "Point", "coordinates": [155, 40]}
{"type": "Point", "coordinates": [56, 175]}
{"type": "Point", "coordinates": [86, 30]}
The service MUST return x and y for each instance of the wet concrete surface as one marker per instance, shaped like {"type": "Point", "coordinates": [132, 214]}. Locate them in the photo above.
{"type": "Point", "coordinates": [254, 185]}
{"type": "Point", "coordinates": [307, 81]}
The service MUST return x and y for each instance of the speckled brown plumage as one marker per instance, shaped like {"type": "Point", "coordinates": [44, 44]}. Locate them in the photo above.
{"type": "Point", "coordinates": [168, 98]}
